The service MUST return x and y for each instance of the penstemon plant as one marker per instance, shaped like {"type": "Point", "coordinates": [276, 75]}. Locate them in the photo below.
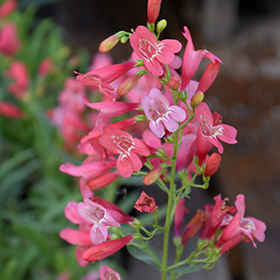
{"type": "Point", "coordinates": [152, 122]}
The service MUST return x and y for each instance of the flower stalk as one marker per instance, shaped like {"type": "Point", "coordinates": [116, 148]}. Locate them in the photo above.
{"type": "Point", "coordinates": [176, 132]}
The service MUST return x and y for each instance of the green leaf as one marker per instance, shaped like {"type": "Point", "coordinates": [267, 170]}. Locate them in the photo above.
{"type": "Point", "coordinates": [143, 255]}
{"type": "Point", "coordinates": [13, 183]}
{"type": "Point", "coordinates": [187, 269]}
{"type": "Point", "coordinates": [15, 161]}
{"type": "Point", "coordinates": [10, 267]}
{"type": "Point", "coordinates": [127, 202]}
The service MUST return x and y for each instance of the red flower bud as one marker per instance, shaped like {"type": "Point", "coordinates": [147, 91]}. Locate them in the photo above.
{"type": "Point", "coordinates": [197, 98]}
{"type": "Point", "coordinates": [128, 85]}
{"type": "Point", "coordinates": [152, 176]}
{"type": "Point", "coordinates": [45, 66]}
{"type": "Point", "coordinates": [175, 82]}
{"type": "Point", "coordinates": [193, 227]}
{"type": "Point", "coordinates": [153, 10]}
{"type": "Point", "coordinates": [212, 165]}
{"type": "Point", "coordinates": [10, 111]}
{"type": "Point", "coordinates": [108, 43]}
{"type": "Point", "coordinates": [7, 8]}
{"type": "Point", "coordinates": [179, 215]}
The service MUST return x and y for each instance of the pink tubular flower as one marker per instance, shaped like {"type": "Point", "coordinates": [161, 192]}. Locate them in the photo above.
{"type": "Point", "coordinates": [107, 273]}
{"type": "Point", "coordinates": [179, 215]}
{"type": "Point", "coordinates": [193, 227]}
{"type": "Point", "coordinates": [45, 66]}
{"type": "Point", "coordinates": [76, 237]}
{"type": "Point", "coordinates": [153, 10]}
{"type": "Point", "coordinates": [71, 213]}
{"type": "Point", "coordinates": [101, 60]}
{"type": "Point", "coordinates": [145, 203]}
{"type": "Point", "coordinates": [92, 275]}
{"type": "Point", "coordinates": [70, 124]}
{"type": "Point", "coordinates": [188, 146]}
{"type": "Point", "coordinates": [104, 250]}
{"type": "Point", "coordinates": [160, 113]}
{"type": "Point", "coordinates": [87, 171]}
{"type": "Point", "coordinates": [104, 76]}
{"type": "Point", "coordinates": [145, 45]}
{"type": "Point", "coordinates": [72, 95]}
{"type": "Point", "coordinates": [90, 143]}
{"type": "Point", "coordinates": [102, 181]}
{"type": "Point", "coordinates": [7, 8]}
{"type": "Point", "coordinates": [214, 216]}
{"type": "Point", "coordinates": [92, 216]}
{"type": "Point", "coordinates": [19, 73]}
{"type": "Point", "coordinates": [10, 110]}
{"type": "Point", "coordinates": [79, 237]}
{"type": "Point", "coordinates": [97, 215]}
{"type": "Point", "coordinates": [65, 275]}
{"type": "Point", "coordinates": [112, 109]}
{"type": "Point", "coordinates": [210, 130]}
{"type": "Point", "coordinates": [9, 42]}
{"type": "Point", "coordinates": [120, 216]}
{"type": "Point", "coordinates": [122, 143]}
{"type": "Point", "coordinates": [239, 228]}
{"type": "Point", "coordinates": [191, 62]}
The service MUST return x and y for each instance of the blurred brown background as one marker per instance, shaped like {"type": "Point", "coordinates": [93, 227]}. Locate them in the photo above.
{"type": "Point", "coordinates": [245, 34]}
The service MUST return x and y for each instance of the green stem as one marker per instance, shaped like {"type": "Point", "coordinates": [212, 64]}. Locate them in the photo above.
{"type": "Point", "coordinates": [146, 247]}
{"type": "Point", "coordinates": [167, 224]}
{"type": "Point", "coordinates": [169, 212]}
{"type": "Point", "coordinates": [179, 251]}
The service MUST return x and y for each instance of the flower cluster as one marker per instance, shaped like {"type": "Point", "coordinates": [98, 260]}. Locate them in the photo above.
{"type": "Point", "coordinates": [152, 116]}
{"type": "Point", "coordinates": [94, 216]}
{"type": "Point", "coordinates": [219, 226]}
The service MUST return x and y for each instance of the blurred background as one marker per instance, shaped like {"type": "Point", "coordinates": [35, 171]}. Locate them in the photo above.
{"type": "Point", "coordinates": [245, 35]}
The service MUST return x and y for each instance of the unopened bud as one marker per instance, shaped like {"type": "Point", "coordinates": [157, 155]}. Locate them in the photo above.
{"type": "Point", "coordinates": [7, 7]}
{"type": "Point", "coordinates": [124, 39]}
{"type": "Point", "coordinates": [10, 111]}
{"type": "Point", "coordinates": [45, 66]}
{"type": "Point", "coordinates": [212, 165]}
{"type": "Point", "coordinates": [140, 118]}
{"type": "Point", "coordinates": [152, 176]}
{"type": "Point", "coordinates": [127, 85]}
{"type": "Point", "coordinates": [177, 240]}
{"type": "Point", "coordinates": [108, 43]}
{"type": "Point", "coordinates": [193, 227]}
{"type": "Point", "coordinates": [197, 98]}
{"type": "Point", "coordinates": [175, 82]}
{"type": "Point", "coordinates": [161, 26]}
{"type": "Point", "coordinates": [136, 223]}
{"type": "Point", "coordinates": [179, 215]}
{"type": "Point", "coordinates": [153, 10]}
